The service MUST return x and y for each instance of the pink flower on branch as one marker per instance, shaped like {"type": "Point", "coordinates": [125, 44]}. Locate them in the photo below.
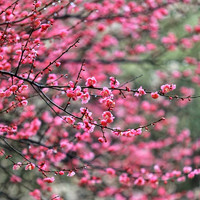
{"type": "Point", "coordinates": [140, 92]}
{"type": "Point", "coordinates": [114, 83]}
{"type": "Point", "coordinates": [17, 166]}
{"type": "Point", "coordinates": [167, 88]}
{"type": "Point", "coordinates": [154, 95]}
{"type": "Point", "coordinates": [30, 166]}
{"type": "Point", "coordinates": [49, 179]}
{"type": "Point", "coordinates": [91, 82]}
{"type": "Point", "coordinates": [44, 85]}
{"type": "Point", "coordinates": [71, 173]}
{"type": "Point", "coordinates": [139, 181]}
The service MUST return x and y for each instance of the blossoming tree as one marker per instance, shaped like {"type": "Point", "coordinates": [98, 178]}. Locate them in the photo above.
{"type": "Point", "coordinates": [67, 115]}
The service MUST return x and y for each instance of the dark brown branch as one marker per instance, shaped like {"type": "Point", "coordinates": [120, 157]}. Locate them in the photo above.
{"type": "Point", "coordinates": [74, 44]}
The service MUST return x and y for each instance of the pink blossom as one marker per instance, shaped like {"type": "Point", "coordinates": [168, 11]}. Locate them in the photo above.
{"type": "Point", "coordinates": [24, 103]}
{"type": "Point", "coordinates": [88, 127]}
{"type": "Point", "coordinates": [49, 179]}
{"type": "Point", "coordinates": [78, 92]}
{"type": "Point", "coordinates": [176, 173]}
{"type": "Point", "coordinates": [13, 88]}
{"type": "Point", "coordinates": [2, 93]}
{"type": "Point", "coordinates": [91, 82]}
{"type": "Point", "coordinates": [30, 166]}
{"type": "Point", "coordinates": [17, 166]}
{"type": "Point", "coordinates": [15, 179]}
{"type": "Point", "coordinates": [157, 168]}
{"type": "Point", "coordinates": [44, 27]}
{"type": "Point", "coordinates": [191, 175]}
{"type": "Point", "coordinates": [153, 179]}
{"type": "Point", "coordinates": [124, 179]}
{"type": "Point", "coordinates": [8, 93]}
{"type": "Point", "coordinates": [154, 95]}
{"type": "Point", "coordinates": [105, 92]}
{"type": "Point", "coordinates": [101, 140]}
{"type": "Point", "coordinates": [70, 92]}
{"type": "Point", "coordinates": [36, 194]}
{"type": "Point", "coordinates": [181, 179]}
{"type": "Point", "coordinates": [2, 152]}
{"type": "Point", "coordinates": [101, 27]}
{"type": "Point", "coordinates": [71, 173]}
{"type": "Point", "coordinates": [140, 92]}
{"type": "Point", "coordinates": [38, 4]}
{"type": "Point", "coordinates": [187, 169]}
{"type": "Point", "coordinates": [108, 117]}
{"type": "Point", "coordinates": [139, 48]}
{"type": "Point", "coordinates": [64, 143]}
{"type": "Point", "coordinates": [69, 119]}
{"type": "Point", "coordinates": [114, 83]}
{"type": "Point", "coordinates": [58, 64]}
{"type": "Point", "coordinates": [110, 103]}
{"type": "Point", "coordinates": [167, 88]}
{"type": "Point", "coordinates": [110, 171]}
{"type": "Point", "coordinates": [61, 173]}
{"type": "Point", "coordinates": [85, 97]}
{"type": "Point", "coordinates": [170, 39]}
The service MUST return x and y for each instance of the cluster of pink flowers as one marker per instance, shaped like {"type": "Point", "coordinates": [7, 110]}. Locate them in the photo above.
{"type": "Point", "coordinates": [58, 120]}
{"type": "Point", "coordinates": [129, 133]}
{"type": "Point", "coordinates": [77, 93]}
{"type": "Point", "coordinates": [107, 98]}
{"type": "Point", "coordinates": [107, 118]}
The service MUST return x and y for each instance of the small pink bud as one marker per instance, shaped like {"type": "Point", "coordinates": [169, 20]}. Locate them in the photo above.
{"type": "Point", "coordinates": [61, 173]}
{"type": "Point", "coordinates": [100, 139]}
{"type": "Point", "coordinates": [154, 95]}
{"type": "Point", "coordinates": [58, 64]}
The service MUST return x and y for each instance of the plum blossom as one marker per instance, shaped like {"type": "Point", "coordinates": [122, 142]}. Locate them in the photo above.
{"type": "Point", "coordinates": [36, 194]}
{"type": "Point", "coordinates": [30, 166]}
{"type": "Point", "coordinates": [17, 166]}
{"type": "Point", "coordinates": [167, 88]}
{"type": "Point", "coordinates": [2, 152]}
{"type": "Point", "coordinates": [139, 181]}
{"type": "Point", "coordinates": [105, 92]}
{"type": "Point", "coordinates": [154, 95]}
{"type": "Point", "coordinates": [187, 169]}
{"type": "Point", "coordinates": [110, 171]}
{"type": "Point", "coordinates": [71, 173]}
{"type": "Point", "coordinates": [124, 179]}
{"type": "Point", "coordinates": [107, 117]}
{"type": "Point", "coordinates": [114, 83]}
{"type": "Point", "coordinates": [70, 92]}
{"type": "Point", "coordinates": [140, 92]}
{"type": "Point", "coordinates": [69, 119]}
{"type": "Point", "coordinates": [49, 179]}
{"type": "Point", "coordinates": [15, 179]}
{"type": "Point", "coordinates": [61, 173]}
{"type": "Point", "coordinates": [91, 82]}
{"type": "Point", "coordinates": [101, 140]}
{"type": "Point", "coordinates": [85, 97]}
